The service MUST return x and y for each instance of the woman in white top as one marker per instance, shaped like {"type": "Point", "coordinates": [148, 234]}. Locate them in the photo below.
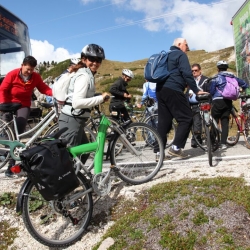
{"type": "Point", "coordinates": [81, 99]}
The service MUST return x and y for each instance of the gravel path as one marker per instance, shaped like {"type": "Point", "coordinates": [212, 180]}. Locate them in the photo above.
{"type": "Point", "coordinates": [232, 162]}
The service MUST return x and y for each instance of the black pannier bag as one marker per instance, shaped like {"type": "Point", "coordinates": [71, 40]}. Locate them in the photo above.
{"type": "Point", "coordinates": [50, 167]}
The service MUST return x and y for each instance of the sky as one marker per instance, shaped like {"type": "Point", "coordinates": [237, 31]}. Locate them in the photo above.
{"type": "Point", "coordinates": [128, 30]}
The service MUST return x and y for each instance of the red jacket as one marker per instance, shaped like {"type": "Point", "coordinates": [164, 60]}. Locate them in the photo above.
{"type": "Point", "coordinates": [14, 89]}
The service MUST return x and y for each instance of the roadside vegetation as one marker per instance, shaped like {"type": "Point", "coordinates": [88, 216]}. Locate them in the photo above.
{"type": "Point", "coordinates": [185, 215]}
{"type": "Point", "coordinates": [7, 233]}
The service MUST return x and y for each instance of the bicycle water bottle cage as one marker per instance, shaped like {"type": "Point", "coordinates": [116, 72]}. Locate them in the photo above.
{"type": "Point", "coordinates": [203, 98]}
{"type": "Point", "coordinates": [10, 107]}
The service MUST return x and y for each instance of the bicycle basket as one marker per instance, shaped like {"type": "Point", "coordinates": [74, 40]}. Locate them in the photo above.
{"type": "Point", "coordinates": [50, 167]}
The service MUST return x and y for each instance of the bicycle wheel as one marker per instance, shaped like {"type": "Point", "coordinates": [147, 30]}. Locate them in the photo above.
{"type": "Point", "coordinates": [201, 138]}
{"type": "Point", "coordinates": [5, 134]}
{"type": "Point", "coordinates": [233, 130]}
{"type": "Point", "coordinates": [209, 145]}
{"type": "Point", "coordinates": [139, 167]}
{"type": "Point", "coordinates": [53, 224]}
{"type": "Point", "coordinates": [153, 121]}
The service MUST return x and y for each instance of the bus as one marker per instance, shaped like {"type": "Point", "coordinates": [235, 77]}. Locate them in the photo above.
{"type": "Point", "coordinates": [14, 41]}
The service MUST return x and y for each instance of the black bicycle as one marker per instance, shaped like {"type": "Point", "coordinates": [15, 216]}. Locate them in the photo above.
{"type": "Point", "coordinates": [208, 138]}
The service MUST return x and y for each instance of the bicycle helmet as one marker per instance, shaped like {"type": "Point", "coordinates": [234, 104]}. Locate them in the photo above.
{"type": "Point", "coordinates": [93, 50]}
{"type": "Point", "coordinates": [74, 61]}
{"type": "Point", "coordinates": [128, 72]}
{"type": "Point", "coordinates": [222, 65]}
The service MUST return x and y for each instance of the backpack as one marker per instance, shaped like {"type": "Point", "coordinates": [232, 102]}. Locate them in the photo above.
{"type": "Point", "coordinates": [231, 90]}
{"type": "Point", "coordinates": [156, 67]}
{"type": "Point", "coordinates": [60, 87]}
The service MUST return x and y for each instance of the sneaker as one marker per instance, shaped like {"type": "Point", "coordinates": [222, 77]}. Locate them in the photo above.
{"type": "Point", "coordinates": [166, 157]}
{"type": "Point", "coordinates": [223, 146]}
{"type": "Point", "coordinates": [178, 153]}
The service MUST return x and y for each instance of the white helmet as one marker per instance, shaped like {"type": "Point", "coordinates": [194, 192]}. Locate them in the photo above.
{"type": "Point", "coordinates": [128, 72]}
{"type": "Point", "coordinates": [222, 65]}
{"type": "Point", "coordinates": [74, 61]}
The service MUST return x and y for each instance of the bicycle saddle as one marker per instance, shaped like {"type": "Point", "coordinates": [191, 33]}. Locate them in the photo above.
{"type": "Point", "coordinates": [46, 105]}
{"type": "Point", "coordinates": [10, 106]}
{"type": "Point", "coordinates": [203, 97]}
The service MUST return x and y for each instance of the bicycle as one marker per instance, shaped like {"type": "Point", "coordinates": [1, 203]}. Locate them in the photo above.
{"type": "Point", "coordinates": [209, 137]}
{"type": "Point", "coordinates": [239, 123]}
{"type": "Point", "coordinates": [9, 132]}
{"type": "Point", "coordinates": [147, 117]}
{"type": "Point", "coordinates": [60, 223]}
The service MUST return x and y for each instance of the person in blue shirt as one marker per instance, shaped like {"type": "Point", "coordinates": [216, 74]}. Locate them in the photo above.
{"type": "Point", "coordinates": [149, 90]}
{"type": "Point", "coordinates": [221, 107]}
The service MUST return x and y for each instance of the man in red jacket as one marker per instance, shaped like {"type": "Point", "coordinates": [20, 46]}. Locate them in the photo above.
{"type": "Point", "coordinates": [18, 86]}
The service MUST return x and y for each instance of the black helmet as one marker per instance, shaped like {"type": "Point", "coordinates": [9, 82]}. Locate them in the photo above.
{"type": "Point", "coordinates": [93, 50]}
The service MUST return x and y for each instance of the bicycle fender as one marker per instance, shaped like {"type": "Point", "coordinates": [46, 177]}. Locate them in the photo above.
{"type": "Point", "coordinates": [20, 196]}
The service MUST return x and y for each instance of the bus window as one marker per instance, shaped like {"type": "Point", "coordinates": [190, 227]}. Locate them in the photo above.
{"type": "Point", "coordinates": [14, 41]}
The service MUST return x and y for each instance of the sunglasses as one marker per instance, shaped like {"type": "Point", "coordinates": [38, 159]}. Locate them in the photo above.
{"type": "Point", "coordinates": [94, 59]}
{"type": "Point", "coordinates": [195, 70]}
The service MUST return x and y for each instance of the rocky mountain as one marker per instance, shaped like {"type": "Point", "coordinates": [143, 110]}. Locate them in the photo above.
{"type": "Point", "coordinates": [110, 70]}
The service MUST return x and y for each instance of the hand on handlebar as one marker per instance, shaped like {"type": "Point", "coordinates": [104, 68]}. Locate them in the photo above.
{"type": "Point", "coordinates": [201, 93]}
{"type": "Point", "coordinates": [105, 96]}
{"type": "Point", "coordinates": [139, 105]}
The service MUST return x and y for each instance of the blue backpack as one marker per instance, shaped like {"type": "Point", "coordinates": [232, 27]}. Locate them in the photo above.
{"type": "Point", "coordinates": [156, 69]}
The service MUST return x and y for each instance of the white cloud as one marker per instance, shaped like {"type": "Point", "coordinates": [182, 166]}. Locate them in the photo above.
{"type": "Point", "coordinates": [205, 26]}
{"type": "Point", "coordinates": [44, 51]}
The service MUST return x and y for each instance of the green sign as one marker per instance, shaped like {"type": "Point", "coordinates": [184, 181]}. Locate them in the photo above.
{"type": "Point", "coordinates": [241, 29]}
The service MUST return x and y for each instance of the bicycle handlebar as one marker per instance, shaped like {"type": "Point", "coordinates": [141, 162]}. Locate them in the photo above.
{"type": "Point", "coordinates": [242, 96]}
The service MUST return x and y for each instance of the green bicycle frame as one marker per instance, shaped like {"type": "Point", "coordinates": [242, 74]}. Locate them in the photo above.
{"type": "Point", "coordinates": [97, 146]}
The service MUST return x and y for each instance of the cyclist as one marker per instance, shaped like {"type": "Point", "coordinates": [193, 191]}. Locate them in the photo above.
{"type": "Point", "coordinates": [18, 86]}
{"type": "Point", "coordinates": [149, 91]}
{"type": "Point", "coordinates": [221, 107]}
{"type": "Point", "coordinates": [120, 93]}
{"type": "Point", "coordinates": [81, 99]}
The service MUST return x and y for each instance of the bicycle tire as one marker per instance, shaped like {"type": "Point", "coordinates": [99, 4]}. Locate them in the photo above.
{"type": "Point", "coordinates": [45, 222]}
{"type": "Point", "coordinates": [6, 133]}
{"type": "Point", "coordinates": [137, 169]}
{"type": "Point", "coordinates": [152, 120]}
{"type": "Point", "coordinates": [233, 129]}
{"type": "Point", "coordinates": [209, 145]}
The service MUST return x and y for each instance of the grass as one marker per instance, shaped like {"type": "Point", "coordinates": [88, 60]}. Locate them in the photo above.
{"type": "Point", "coordinates": [7, 233]}
{"type": "Point", "coordinates": [183, 215]}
